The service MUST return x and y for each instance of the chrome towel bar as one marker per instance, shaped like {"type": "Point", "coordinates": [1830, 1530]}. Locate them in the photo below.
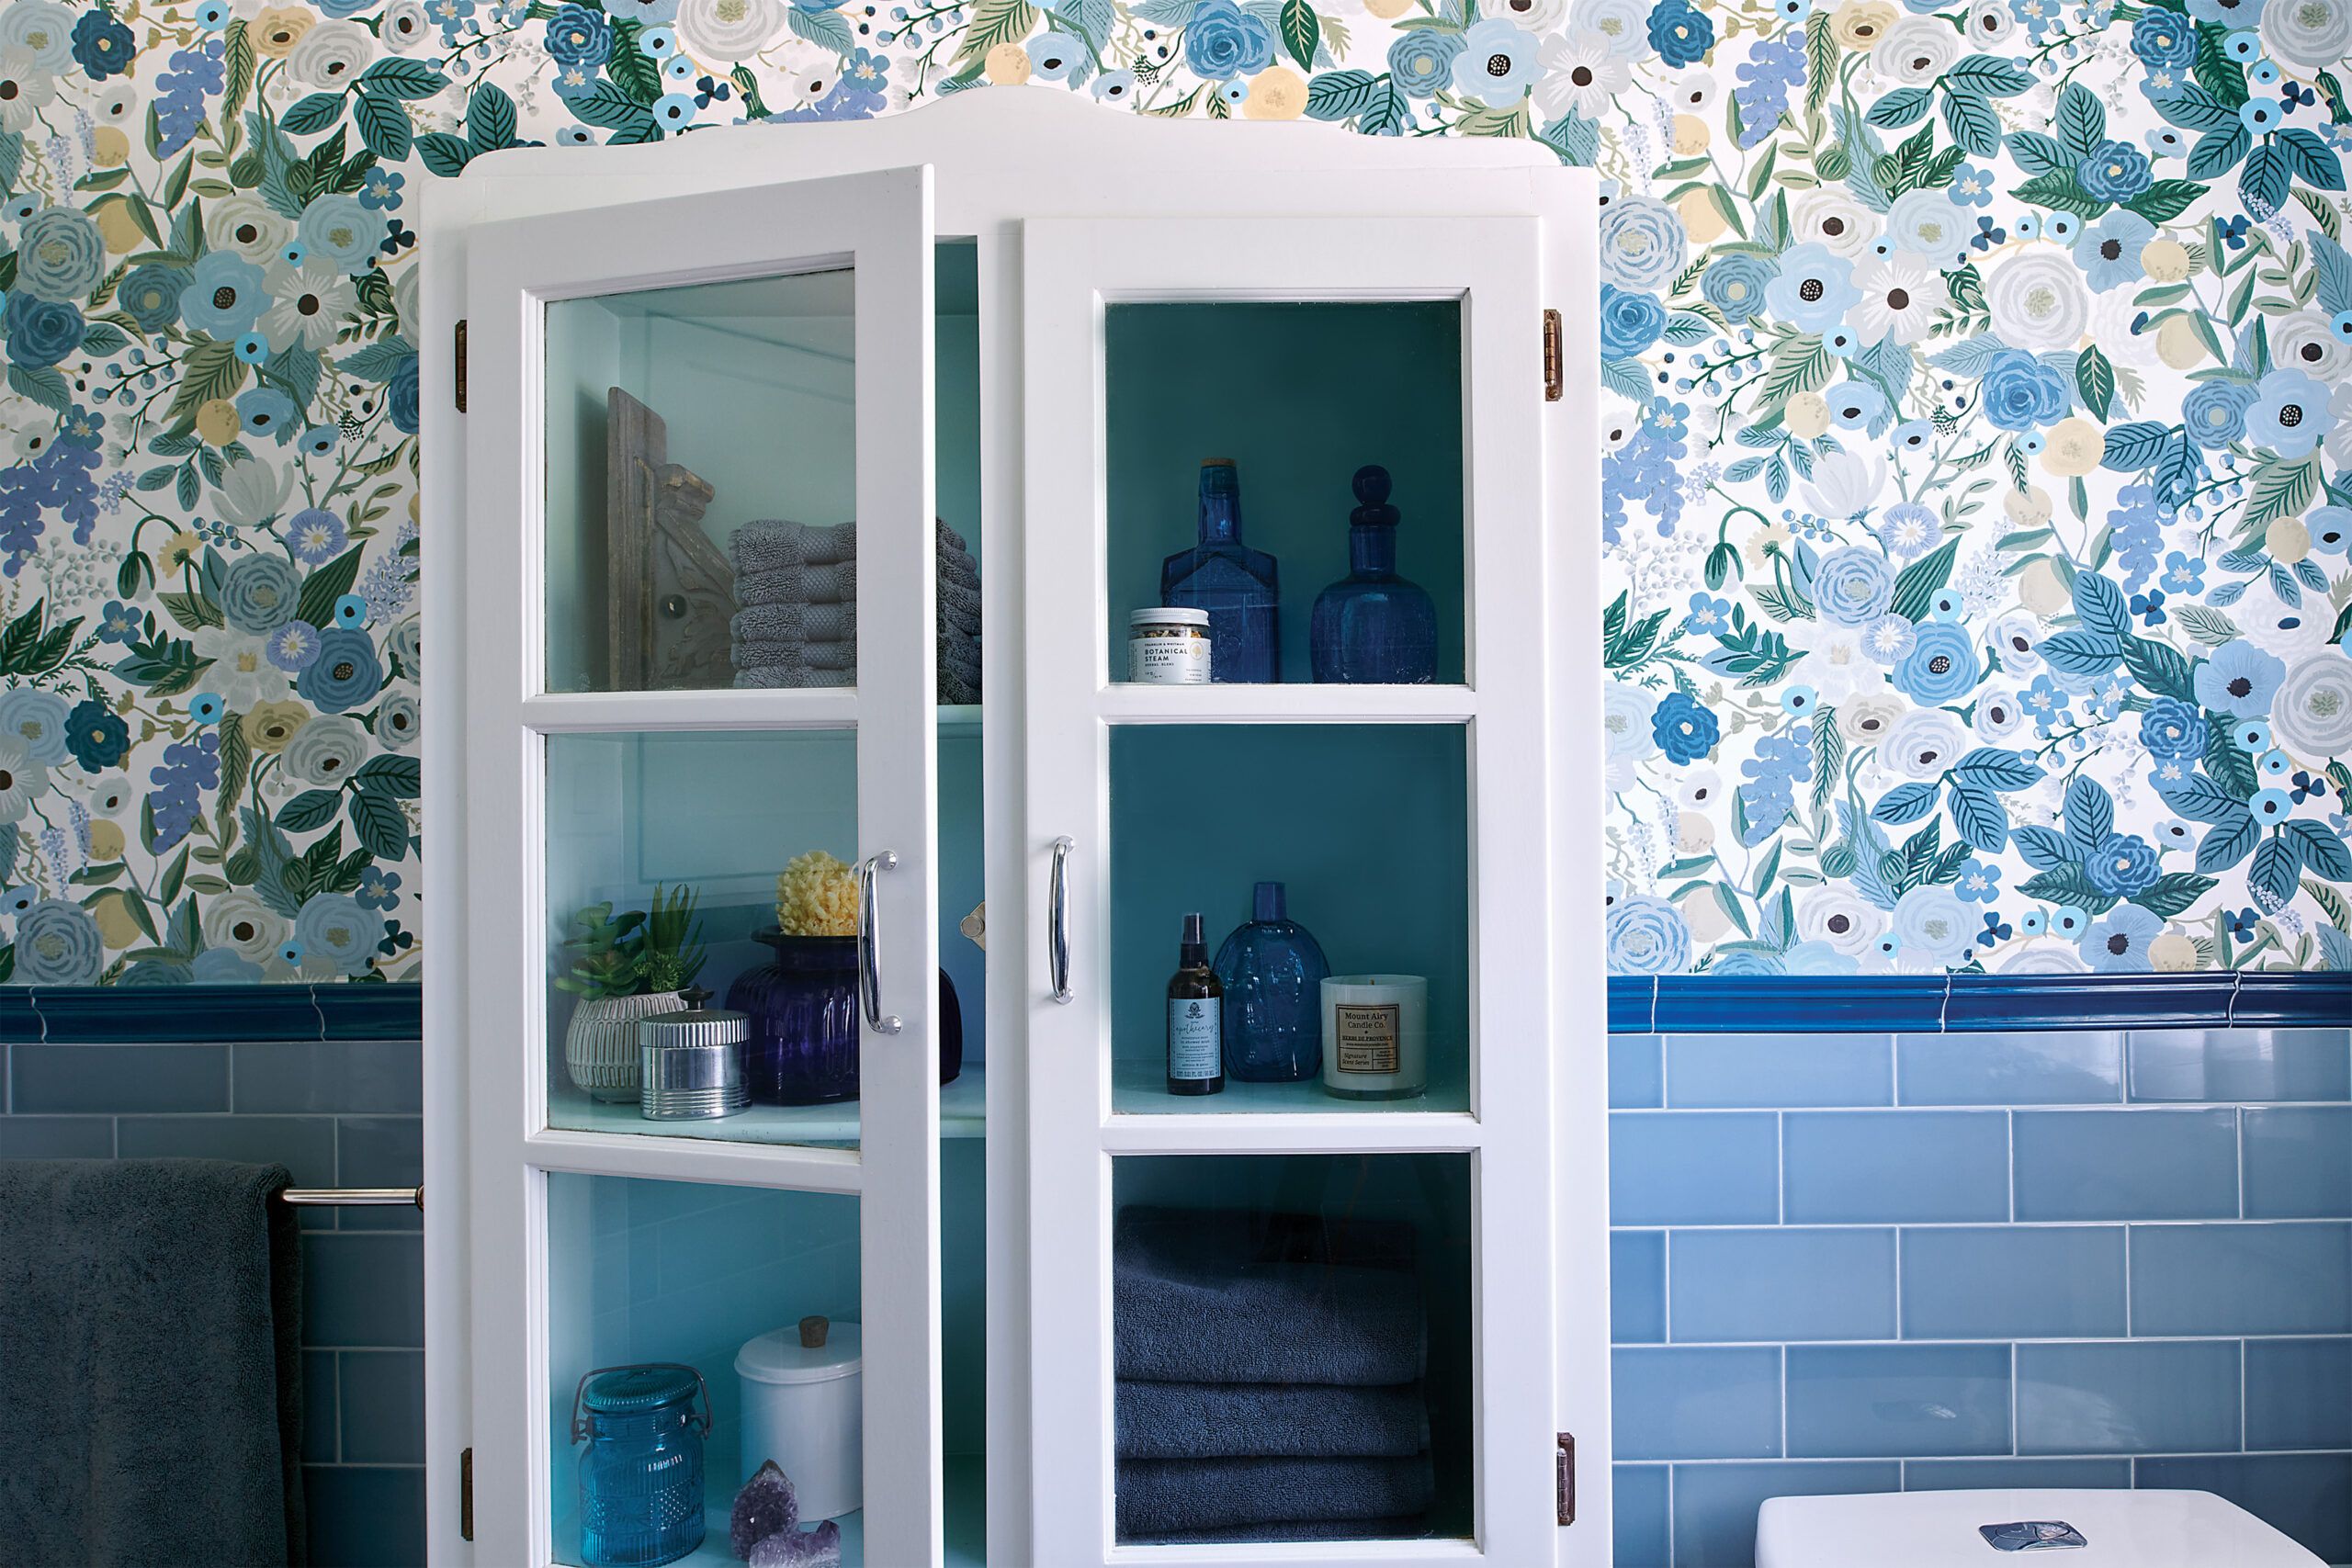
{"type": "Point", "coordinates": [353, 1197]}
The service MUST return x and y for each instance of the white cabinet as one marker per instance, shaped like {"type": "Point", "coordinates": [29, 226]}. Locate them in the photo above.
{"type": "Point", "coordinates": [1098, 1321]}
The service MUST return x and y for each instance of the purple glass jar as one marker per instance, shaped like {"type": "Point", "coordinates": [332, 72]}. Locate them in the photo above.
{"type": "Point", "coordinates": [803, 1007]}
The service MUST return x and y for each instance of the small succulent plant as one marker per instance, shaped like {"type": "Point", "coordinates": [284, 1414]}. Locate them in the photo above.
{"type": "Point", "coordinates": [606, 951]}
{"type": "Point", "coordinates": [674, 951]}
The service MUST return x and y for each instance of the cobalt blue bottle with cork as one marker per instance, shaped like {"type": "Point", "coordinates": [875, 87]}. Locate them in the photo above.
{"type": "Point", "coordinates": [1240, 588]}
{"type": "Point", "coordinates": [1371, 624]}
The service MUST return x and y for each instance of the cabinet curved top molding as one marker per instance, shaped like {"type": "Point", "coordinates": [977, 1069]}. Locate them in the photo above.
{"type": "Point", "coordinates": [1001, 130]}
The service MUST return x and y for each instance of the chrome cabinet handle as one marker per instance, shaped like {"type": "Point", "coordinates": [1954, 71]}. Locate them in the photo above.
{"type": "Point", "coordinates": [869, 937]}
{"type": "Point", "coordinates": [1057, 919]}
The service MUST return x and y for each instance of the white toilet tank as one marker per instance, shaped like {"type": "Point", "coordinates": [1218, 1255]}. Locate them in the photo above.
{"type": "Point", "coordinates": [1946, 1529]}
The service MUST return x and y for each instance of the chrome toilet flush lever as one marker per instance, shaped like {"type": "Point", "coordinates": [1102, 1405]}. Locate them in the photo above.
{"type": "Point", "coordinates": [2031, 1535]}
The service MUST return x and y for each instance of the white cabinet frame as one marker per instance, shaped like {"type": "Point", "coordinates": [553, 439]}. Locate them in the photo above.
{"type": "Point", "coordinates": [879, 225]}
{"type": "Point", "coordinates": [1073, 270]}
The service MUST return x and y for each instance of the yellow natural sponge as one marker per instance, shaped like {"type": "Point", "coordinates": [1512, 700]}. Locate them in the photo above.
{"type": "Point", "coordinates": [817, 895]}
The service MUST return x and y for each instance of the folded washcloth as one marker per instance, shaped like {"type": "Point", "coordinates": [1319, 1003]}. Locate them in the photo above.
{"type": "Point", "coordinates": [960, 605]}
{"type": "Point", "coordinates": [1215, 1420]}
{"type": "Point", "coordinates": [796, 622]}
{"type": "Point", "coordinates": [1226, 1296]}
{"type": "Point", "coordinates": [798, 585]}
{"type": "Point", "coordinates": [784, 677]}
{"type": "Point", "coordinates": [953, 689]}
{"type": "Point", "coordinates": [752, 654]}
{"type": "Point", "coordinates": [1161, 1495]}
{"type": "Point", "coordinates": [771, 544]}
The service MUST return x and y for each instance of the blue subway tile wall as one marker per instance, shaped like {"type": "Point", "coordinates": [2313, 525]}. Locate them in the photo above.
{"type": "Point", "coordinates": [1996, 1253]}
{"type": "Point", "coordinates": [325, 1082]}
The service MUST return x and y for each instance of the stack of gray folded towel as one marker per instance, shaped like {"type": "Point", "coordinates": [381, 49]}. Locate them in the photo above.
{"type": "Point", "coordinates": [1269, 1375]}
{"type": "Point", "coordinates": [797, 626]}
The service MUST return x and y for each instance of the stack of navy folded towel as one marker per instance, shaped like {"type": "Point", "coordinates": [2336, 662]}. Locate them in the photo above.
{"type": "Point", "coordinates": [1269, 1377]}
{"type": "Point", "coordinates": [797, 626]}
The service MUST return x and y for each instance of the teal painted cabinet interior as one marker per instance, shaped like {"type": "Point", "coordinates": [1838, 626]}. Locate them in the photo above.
{"type": "Point", "coordinates": [1299, 396]}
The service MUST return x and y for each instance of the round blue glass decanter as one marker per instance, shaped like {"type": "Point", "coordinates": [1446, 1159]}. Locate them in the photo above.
{"type": "Point", "coordinates": [1272, 971]}
{"type": "Point", "coordinates": [1373, 625]}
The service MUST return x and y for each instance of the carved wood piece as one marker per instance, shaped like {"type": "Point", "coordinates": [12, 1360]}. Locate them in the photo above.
{"type": "Point", "coordinates": [671, 593]}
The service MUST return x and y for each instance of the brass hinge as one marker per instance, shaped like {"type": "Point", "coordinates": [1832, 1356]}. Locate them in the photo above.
{"type": "Point", "coordinates": [466, 1460]}
{"type": "Point", "coordinates": [1552, 371]}
{"type": "Point", "coordinates": [1563, 1479]}
{"type": "Point", "coordinates": [461, 408]}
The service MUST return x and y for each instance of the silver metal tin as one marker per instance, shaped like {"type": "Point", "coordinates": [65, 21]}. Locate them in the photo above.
{"type": "Point", "coordinates": [691, 1065]}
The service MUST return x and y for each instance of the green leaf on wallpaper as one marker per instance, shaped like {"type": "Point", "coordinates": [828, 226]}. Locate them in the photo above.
{"type": "Point", "coordinates": [401, 77]}
{"type": "Point", "coordinates": [1991, 76]}
{"type": "Point", "coordinates": [384, 126]}
{"type": "Point", "coordinates": [209, 370]}
{"type": "Point", "coordinates": [2281, 489]}
{"type": "Point", "coordinates": [324, 586]}
{"type": "Point", "coordinates": [1301, 32]}
{"type": "Point", "coordinates": [1485, 122]}
{"type": "Point", "coordinates": [1388, 110]}
{"type": "Point", "coordinates": [447, 156]}
{"type": "Point", "coordinates": [2228, 764]}
{"type": "Point", "coordinates": [379, 823]}
{"type": "Point", "coordinates": [2166, 200]}
{"type": "Point", "coordinates": [2058, 191]}
{"type": "Point", "coordinates": [312, 808]}
{"type": "Point", "coordinates": [1336, 95]}
{"type": "Point", "coordinates": [1903, 106]}
{"type": "Point", "coordinates": [2095, 378]}
{"type": "Point", "coordinates": [489, 119]}
{"type": "Point", "coordinates": [392, 773]}
{"type": "Point", "coordinates": [2160, 667]}
{"type": "Point", "coordinates": [994, 22]}
{"type": "Point", "coordinates": [1915, 585]}
{"type": "Point", "coordinates": [12, 158]}
{"type": "Point", "coordinates": [313, 114]}
{"type": "Point", "coordinates": [192, 611]}
{"type": "Point", "coordinates": [604, 105]}
{"type": "Point", "coordinates": [2263, 182]}
{"type": "Point", "coordinates": [2081, 121]}
{"type": "Point", "coordinates": [2278, 863]}
{"type": "Point", "coordinates": [236, 756]}
{"type": "Point", "coordinates": [240, 47]}
{"type": "Point", "coordinates": [1820, 62]}
{"type": "Point", "coordinates": [44, 384]}
{"type": "Point", "coordinates": [828, 29]}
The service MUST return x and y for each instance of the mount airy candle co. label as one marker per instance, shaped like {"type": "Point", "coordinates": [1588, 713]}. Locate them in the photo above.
{"type": "Point", "coordinates": [1368, 1034]}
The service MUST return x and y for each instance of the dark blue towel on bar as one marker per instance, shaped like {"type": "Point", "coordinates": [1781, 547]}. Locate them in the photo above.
{"type": "Point", "coordinates": [150, 1314]}
{"type": "Point", "coordinates": [1159, 1496]}
{"type": "Point", "coordinates": [1195, 1420]}
{"type": "Point", "coordinates": [1220, 1296]}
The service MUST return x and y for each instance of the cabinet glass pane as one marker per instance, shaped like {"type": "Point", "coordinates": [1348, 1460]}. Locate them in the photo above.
{"type": "Point", "coordinates": [1367, 829]}
{"type": "Point", "coordinates": [1298, 397]}
{"type": "Point", "coordinates": [637, 822]}
{"type": "Point", "coordinates": [1292, 1342]}
{"type": "Point", "coordinates": [680, 1274]}
{"type": "Point", "coordinates": [701, 447]}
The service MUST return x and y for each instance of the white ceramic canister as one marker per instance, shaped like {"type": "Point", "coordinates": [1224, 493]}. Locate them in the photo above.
{"type": "Point", "coordinates": [1375, 1037]}
{"type": "Point", "coordinates": [804, 1408]}
{"type": "Point", "coordinates": [1168, 647]}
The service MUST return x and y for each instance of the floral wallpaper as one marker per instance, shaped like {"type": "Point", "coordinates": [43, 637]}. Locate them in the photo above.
{"type": "Point", "coordinates": [1976, 500]}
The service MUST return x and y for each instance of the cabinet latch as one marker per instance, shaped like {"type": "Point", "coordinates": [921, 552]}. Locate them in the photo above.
{"type": "Point", "coordinates": [1563, 1479]}
{"type": "Point", "coordinates": [460, 376]}
{"type": "Point", "coordinates": [1552, 375]}
{"type": "Point", "coordinates": [465, 1491]}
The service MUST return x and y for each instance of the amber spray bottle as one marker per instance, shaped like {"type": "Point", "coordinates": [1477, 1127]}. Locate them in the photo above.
{"type": "Point", "coordinates": [1195, 1019]}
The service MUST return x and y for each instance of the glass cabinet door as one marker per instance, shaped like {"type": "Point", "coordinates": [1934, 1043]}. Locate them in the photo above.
{"type": "Point", "coordinates": [706, 1020]}
{"type": "Point", "coordinates": [1290, 1097]}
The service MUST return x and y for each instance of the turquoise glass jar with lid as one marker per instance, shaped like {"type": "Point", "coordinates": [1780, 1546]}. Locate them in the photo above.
{"type": "Point", "coordinates": [640, 1479]}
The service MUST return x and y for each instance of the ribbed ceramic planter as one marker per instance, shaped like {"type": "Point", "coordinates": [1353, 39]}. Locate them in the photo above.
{"type": "Point", "coordinates": [599, 1048]}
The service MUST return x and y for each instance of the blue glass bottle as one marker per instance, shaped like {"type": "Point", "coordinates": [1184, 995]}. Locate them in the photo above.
{"type": "Point", "coordinates": [1272, 971]}
{"type": "Point", "coordinates": [1240, 588]}
{"type": "Point", "coordinates": [1371, 624]}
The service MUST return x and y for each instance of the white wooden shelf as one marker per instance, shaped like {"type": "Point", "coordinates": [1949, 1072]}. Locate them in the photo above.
{"type": "Point", "coordinates": [1304, 703]}
{"type": "Point", "coordinates": [1277, 1118]}
{"type": "Point", "coordinates": [963, 1113]}
{"type": "Point", "coordinates": [622, 713]}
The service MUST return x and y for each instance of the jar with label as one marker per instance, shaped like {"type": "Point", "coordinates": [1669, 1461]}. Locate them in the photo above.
{"type": "Point", "coordinates": [1168, 648]}
{"type": "Point", "coordinates": [1375, 1037]}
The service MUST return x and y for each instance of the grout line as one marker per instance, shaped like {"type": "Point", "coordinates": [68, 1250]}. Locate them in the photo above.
{"type": "Point", "coordinates": [1784, 1402]}
{"type": "Point", "coordinates": [2010, 1127]}
{"type": "Point", "coordinates": [2127, 1280]}
{"type": "Point", "coordinates": [2016, 1438]}
{"type": "Point", "coordinates": [2237, 1130]}
{"type": "Point", "coordinates": [2243, 1438]}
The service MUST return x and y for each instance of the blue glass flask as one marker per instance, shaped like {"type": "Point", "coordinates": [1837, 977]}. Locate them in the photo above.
{"type": "Point", "coordinates": [1240, 588]}
{"type": "Point", "coordinates": [1272, 971]}
{"type": "Point", "coordinates": [640, 1479]}
{"type": "Point", "coordinates": [1371, 624]}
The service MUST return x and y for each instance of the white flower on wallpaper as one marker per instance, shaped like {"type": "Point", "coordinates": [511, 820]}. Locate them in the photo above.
{"type": "Point", "coordinates": [1976, 504]}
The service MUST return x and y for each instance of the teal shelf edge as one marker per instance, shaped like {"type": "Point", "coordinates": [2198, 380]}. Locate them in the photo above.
{"type": "Point", "coordinates": [1638, 1004]}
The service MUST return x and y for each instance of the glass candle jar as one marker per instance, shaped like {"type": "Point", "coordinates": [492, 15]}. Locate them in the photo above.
{"type": "Point", "coordinates": [1375, 1037]}
{"type": "Point", "coordinates": [640, 1479]}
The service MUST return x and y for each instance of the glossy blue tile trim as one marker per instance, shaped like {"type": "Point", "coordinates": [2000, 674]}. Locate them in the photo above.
{"type": "Point", "coordinates": [104, 1015]}
{"type": "Point", "coordinates": [1700, 1004]}
{"type": "Point", "coordinates": [1705, 1004]}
